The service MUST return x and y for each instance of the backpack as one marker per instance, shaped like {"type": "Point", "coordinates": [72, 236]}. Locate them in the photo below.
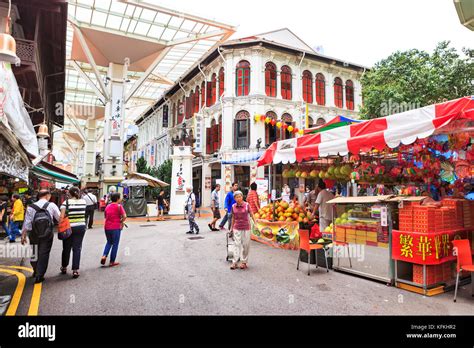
{"type": "Point", "coordinates": [42, 224]}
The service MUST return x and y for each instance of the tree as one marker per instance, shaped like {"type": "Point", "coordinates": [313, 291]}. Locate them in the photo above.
{"type": "Point", "coordinates": [142, 166]}
{"type": "Point", "coordinates": [163, 173]}
{"type": "Point", "coordinates": [412, 79]}
{"type": "Point", "coordinates": [165, 170]}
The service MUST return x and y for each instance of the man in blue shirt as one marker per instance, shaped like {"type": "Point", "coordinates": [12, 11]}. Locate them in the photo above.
{"type": "Point", "coordinates": [229, 202]}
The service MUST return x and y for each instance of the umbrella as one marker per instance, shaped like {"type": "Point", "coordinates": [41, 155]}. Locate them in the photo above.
{"type": "Point", "coordinates": [152, 182]}
{"type": "Point", "coordinates": [134, 182]}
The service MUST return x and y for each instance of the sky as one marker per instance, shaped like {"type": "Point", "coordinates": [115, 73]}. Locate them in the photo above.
{"type": "Point", "coordinates": [357, 31]}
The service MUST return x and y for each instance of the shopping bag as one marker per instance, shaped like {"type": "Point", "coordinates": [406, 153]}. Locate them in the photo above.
{"type": "Point", "coordinates": [64, 226]}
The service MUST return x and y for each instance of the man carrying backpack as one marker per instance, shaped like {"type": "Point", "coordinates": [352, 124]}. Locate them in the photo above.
{"type": "Point", "coordinates": [39, 220]}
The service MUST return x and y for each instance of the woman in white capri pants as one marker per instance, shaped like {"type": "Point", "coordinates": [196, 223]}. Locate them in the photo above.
{"type": "Point", "coordinates": [240, 228]}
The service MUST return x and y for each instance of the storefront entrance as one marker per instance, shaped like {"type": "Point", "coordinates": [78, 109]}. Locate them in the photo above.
{"type": "Point", "coordinates": [197, 182]}
{"type": "Point", "coordinates": [242, 176]}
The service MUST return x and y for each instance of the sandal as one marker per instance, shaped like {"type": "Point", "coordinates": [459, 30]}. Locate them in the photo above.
{"type": "Point", "coordinates": [63, 270]}
{"type": "Point", "coordinates": [112, 264]}
{"type": "Point", "coordinates": [243, 266]}
{"type": "Point", "coordinates": [233, 266]}
{"type": "Point", "coordinates": [75, 274]}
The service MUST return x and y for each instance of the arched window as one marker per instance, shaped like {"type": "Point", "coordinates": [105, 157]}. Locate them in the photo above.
{"type": "Point", "coordinates": [210, 93]}
{"type": "Point", "coordinates": [270, 79]}
{"type": "Point", "coordinates": [203, 93]}
{"type": "Point", "coordinates": [220, 133]}
{"type": "Point", "coordinates": [349, 95]}
{"type": "Point", "coordinates": [286, 84]}
{"type": "Point", "coordinates": [242, 130]}
{"type": "Point", "coordinates": [272, 133]}
{"type": "Point", "coordinates": [320, 89]}
{"type": "Point", "coordinates": [310, 122]}
{"type": "Point", "coordinates": [189, 105]}
{"type": "Point", "coordinates": [242, 78]}
{"type": "Point", "coordinates": [196, 100]}
{"type": "Point", "coordinates": [288, 120]}
{"type": "Point", "coordinates": [338, 93]}
{"type": "Point", "coordinates": [221, 81]}
{"type": "Point", "coordinates": [175, 115]}
{"type": "Point", "coordinates": [320, 121]}
{"type": "Point", "coordinates": [214, 89]}
{"type": "Point", "coordinates": [307, 86]}
{"type": "Point", "coordinates": [214, 141]}
{"type": "Point", "coordinates": [180, 111]}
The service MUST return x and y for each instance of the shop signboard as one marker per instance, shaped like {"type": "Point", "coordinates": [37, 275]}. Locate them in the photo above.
{"type": "Point", "coordinates": [116, 112]}
{"type": "Point", "coordinates": [262, 191]}
{"type": "Point", "coordinates": [283, 235]}
{"type": "Point", "coordinates": [179, 179]}
{"type": "Point", "coordinates": [11, 162]}
{"type": "Point", "coordinates": [198, 132]}
{"type": "Point", "coordinates": [424, 248]}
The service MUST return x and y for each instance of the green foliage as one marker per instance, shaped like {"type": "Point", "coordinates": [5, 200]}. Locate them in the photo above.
{"type": "Point", "coordinates": [414, 78]}
{"type": "Point", "coordinates": [142, 166]}
{"type": "Point", "coordinates": [163, 173]}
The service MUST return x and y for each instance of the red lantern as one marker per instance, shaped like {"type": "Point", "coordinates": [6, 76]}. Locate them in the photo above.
{"type": "Point", "coordinates": [284, 126]}
{"type": "Point", "coordinates": [262, 118]}
{"type": "Point", "coordinates": [295, 130]}
{"type": "Point", "coordinates": [273, 122]}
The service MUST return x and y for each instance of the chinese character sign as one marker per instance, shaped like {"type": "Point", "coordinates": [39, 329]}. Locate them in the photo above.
{"type": "Point", "coordinates": [179, 178]}
{"type": "Point", "coordinates": [198, 133]}
{"type": "Point", "coordinates": [423, 248]}
{"type": "Point", "coordinates": [116, 111]}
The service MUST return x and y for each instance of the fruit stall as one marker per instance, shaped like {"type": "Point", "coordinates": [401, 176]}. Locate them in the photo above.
{"type": "Point", "coordinates": [278, 222]}
{"type": "Point", "coordinates": [376, 166]}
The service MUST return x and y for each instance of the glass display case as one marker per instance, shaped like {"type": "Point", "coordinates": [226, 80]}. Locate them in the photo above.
{"type": "Point", "coordinates": [362, 228]}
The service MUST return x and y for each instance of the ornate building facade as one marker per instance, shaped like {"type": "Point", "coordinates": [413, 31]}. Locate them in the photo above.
{"type": "Point", "coordinates": [273, 74]}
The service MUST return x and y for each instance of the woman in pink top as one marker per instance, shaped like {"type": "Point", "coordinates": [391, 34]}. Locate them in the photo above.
{"type": "Point", "coordinates": [240, 228]}
{"type": "Point", "coordinates": [114, 219]}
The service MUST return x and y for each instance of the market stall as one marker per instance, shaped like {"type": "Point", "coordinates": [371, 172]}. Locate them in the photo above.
{"type": "Point", "coordinates": [135, 204]}
{"type": "Point", "coordinates": [425, 152]}
{"type": "Point", "coordinates": [278, 222]}
{"type": "Point", "coordinates": [422, 247]}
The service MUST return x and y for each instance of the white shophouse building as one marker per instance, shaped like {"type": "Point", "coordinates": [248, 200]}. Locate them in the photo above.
{"type": "Point", "coordinates": [274, 74]}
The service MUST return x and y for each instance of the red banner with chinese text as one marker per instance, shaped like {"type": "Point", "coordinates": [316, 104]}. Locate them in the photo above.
{"type": "Point", "coordinates": [425, 248]}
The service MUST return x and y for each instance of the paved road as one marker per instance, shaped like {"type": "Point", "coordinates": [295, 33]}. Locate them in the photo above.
{"type": "Point", "coordinates": [163, 272]}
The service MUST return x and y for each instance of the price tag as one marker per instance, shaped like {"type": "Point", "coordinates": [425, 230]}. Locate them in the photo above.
{"type": "Point", "coordinates": [384, 216]}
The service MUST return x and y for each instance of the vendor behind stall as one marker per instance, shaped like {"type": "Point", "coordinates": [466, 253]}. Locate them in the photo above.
{"type": "Point", "coordinates": [325, 209]}
{"type": "Point", "coordinates": [429, 200]}
{"type": "Point", "coordinates": [310, 199]}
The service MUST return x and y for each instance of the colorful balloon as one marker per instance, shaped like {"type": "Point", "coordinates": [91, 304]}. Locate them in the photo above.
{"type": "Point", "coordinates": [273, 122]}
{"type": "Point", "coordinates": [290, 129]}
{"type": "Point", "coordinates": [268, 120]}
{"type": "Point", "coordinates": [301, 132]}
{"type": "Point", "coordinates": [279, 124]}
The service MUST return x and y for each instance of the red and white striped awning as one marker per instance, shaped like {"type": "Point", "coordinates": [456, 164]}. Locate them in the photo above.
{"type": "Point", "coordinates": [403, 128]}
